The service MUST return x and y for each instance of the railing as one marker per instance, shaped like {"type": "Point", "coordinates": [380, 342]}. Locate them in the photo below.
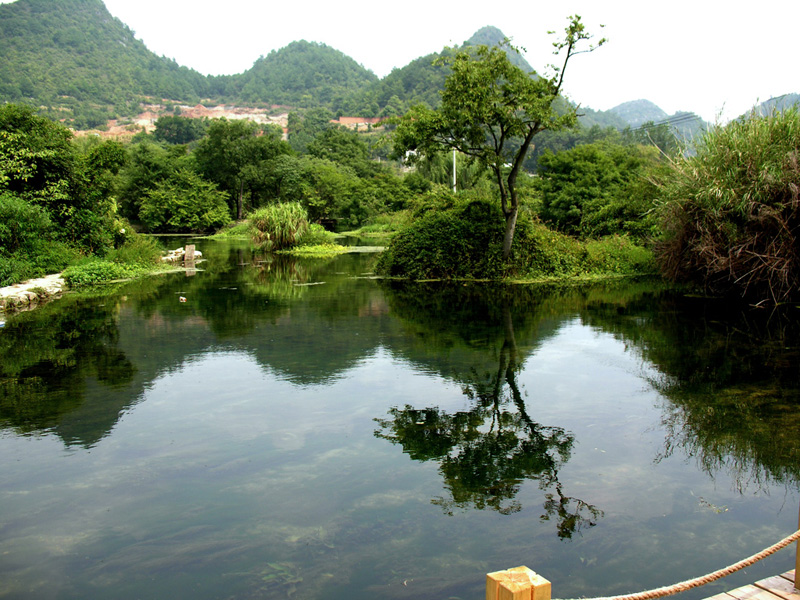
{"type": "Point", "coordinates": [521, 583]}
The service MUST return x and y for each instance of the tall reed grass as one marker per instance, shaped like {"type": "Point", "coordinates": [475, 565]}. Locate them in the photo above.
{"type": "Point", "coordinates": [731, 212]}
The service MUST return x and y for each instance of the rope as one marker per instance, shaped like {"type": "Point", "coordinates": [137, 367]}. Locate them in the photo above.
{"type": "Point", "coordinates": [698, 581]}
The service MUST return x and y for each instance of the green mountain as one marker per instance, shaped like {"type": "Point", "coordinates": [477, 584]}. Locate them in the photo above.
{"type": "Point", "coordinates": [78, 63]}
{"type": "Point", "coordinates": [492, 36]}
{"type": "Point", "coordinates": [420, 81]}
{"type": "Point", "coordinates": [303, 74]}
{"type": "Point", "coordinates": [73, 57]}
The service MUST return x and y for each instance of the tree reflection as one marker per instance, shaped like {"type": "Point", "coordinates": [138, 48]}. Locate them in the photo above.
{"type": "Point", "coordinates": [486, 452]}
{"type": "Point", "coordinates": [729, 379]}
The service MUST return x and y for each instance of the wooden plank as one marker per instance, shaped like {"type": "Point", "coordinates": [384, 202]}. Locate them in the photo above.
{"type": "Point", "coordinates": [779, 586]}
{"type": "Point", "coordinates": [751, 592]}
{"type": "Point", "coordinates": [721, 596]}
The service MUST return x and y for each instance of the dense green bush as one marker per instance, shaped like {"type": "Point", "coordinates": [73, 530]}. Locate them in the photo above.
{"type": "Point", "coordinates": [620, 255]}
{"type": "Point", "coordinates": [184, 202]}
{"type": "Point", "coordinates": [731, 212]}
{"type": "Point", "coordinates": [138, 249]}
{"type": "Point", "coordinates": [279, 226]}
{"type": "Point", "coordinates": [27, 247]}
{"type": "Point", "coordinates": [465, 241]}
{"type": "Point", "coordinates": [594, 190]}
{"type": "Point", "coordinates": [94, 270]}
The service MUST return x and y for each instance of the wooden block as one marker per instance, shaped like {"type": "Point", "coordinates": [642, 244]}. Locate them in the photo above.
{"type": "Point", "coordinates": [780, 587]}
{"type": "Point", "coordinates": [519, 583]}
{"type": "Point", "coordinates": [188, 255]}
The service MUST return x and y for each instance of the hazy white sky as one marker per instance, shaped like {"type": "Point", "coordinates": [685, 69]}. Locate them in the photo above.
{"type": "Point", "coordinates": [716, 58]}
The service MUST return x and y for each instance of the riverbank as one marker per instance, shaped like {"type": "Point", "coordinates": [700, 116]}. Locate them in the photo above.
{"type": "Point", "coordinates": [31, 293]}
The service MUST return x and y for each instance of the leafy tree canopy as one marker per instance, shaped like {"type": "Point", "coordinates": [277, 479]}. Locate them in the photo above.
{"type": "Point", "coordinates": [491, 110]}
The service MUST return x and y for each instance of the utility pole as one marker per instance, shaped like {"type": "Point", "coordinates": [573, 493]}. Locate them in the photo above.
{"type": "Point", "coordinates": [454, 170]}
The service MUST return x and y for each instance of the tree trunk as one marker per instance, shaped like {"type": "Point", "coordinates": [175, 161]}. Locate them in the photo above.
{"type": "Point", "coordinates": [511, 225]}
{"type": "Point", "coordinates": [239, 202]}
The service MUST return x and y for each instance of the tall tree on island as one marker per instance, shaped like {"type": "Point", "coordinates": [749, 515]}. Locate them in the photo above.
{"type": "Point", "coordinates": [491, 110]}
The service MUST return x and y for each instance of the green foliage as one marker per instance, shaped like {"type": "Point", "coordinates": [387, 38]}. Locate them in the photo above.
{"type": "Point", "coordinates": [345, 147]}
{"type": "Point", "coordinates": [316, 235]}
{"type": "Point", "coordinates": [279, 226]}
{"type": "Point", "coordinates": [463, 239]}
{"type": "Point", "coordinates": [95, 271]}
{"type": "Point", "coordinates": [462, 242]}
{"type": "Point", "coordinates": [179, 130]}
{"type": "Point", "coordinates": [27, 248]}
{"type": "Point", "coordinates": [619, 255]}
{"type": "Point", "coordinates": [491, 110]}
{"type": "Point", "coordinates": [303, 74]}
{"type": "Point", "coordinates": [594, 190]}
{"type": "Point", "coordinates": [76, 59]}
{"type": "Point", "coordinates": [235, 156]}
{"type": "Point", "coordinates": [139, 250]}
{"type": "Point", "coordinates": [39, 163]}
{"type": "Point", "coordinates": [731, 212]}
{"type": "Point", "coordinates": [184, 202]}
{"type": "Point", "coordinates": [148, 164]}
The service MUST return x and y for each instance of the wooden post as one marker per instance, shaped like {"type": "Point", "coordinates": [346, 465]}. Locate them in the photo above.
{"type": "Point", "coordinates": [519, 583]}
{"type": "Point", "coordinates": [797, 560]}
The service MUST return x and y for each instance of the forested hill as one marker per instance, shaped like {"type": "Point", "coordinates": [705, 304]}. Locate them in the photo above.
{"type": "Point", "coordinates": [74, 55]}
{"type": "Point", "coordinates": [76, 62]}
{"type": "Point", "coordinates": [303, 74]}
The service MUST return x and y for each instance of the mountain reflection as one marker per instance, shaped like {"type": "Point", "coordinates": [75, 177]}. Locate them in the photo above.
{"type": "Point", "coordinates": [486, 453]}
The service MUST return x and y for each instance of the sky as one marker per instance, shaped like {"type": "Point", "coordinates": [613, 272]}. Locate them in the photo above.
{"type": "Point", "coordinates": [715, 58]}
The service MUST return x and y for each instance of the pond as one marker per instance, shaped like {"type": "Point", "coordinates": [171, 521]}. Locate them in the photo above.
{"type": "Point", "coordinates": [268, 427]}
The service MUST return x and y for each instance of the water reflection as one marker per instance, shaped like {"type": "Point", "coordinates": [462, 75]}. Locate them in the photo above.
{"type": "Point", "coordinates": [487, 452]}
{"type": "Point", "coordinates": [729, 378]}
{"type": "Point", "coordinates": [57, 366]}
{"type": "Point", "coordinates": [233, 447]}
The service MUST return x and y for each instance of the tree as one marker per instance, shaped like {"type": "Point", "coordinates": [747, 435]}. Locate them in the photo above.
{"type": "Point", "coordinates": [178, 130]}
{"type": "Point", "coordinates": [230, 147]}
{"type": "Point", "coordinates": [491, 110]}
{"type": "Point", "coordinates": [184, 202]}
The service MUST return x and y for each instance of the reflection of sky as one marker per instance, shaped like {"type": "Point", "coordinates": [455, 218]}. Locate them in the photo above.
{"type": "Point", "coordinates": [226, 472]}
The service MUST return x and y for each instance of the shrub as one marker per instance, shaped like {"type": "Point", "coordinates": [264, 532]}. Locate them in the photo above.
{"type": "Point", "coordinates": [279, 226]}
{"type": "Point", "coordinates": [26, 249]}
{"type": "Point", "coordinates": [317, 235]}
{"type": "Point", "coordinates": [731, 212]}
{"type": "Point", "coordinates": [464, 241]}
{"type": "Point", "coordinates": [184, 202]}
{"type": "Point", "coordinates": [137, 250]}
{"type": "Point", "coordinates": [94, 271]}
{"type": "Point", "coordinates": [620, 255]}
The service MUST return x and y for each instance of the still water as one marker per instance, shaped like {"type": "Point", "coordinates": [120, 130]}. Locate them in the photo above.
{"type": "Point", "coordinates": [298, 429]}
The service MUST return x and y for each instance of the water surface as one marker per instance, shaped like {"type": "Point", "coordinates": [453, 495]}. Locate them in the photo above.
{"type": "Point", "coordinates": [298, 429]}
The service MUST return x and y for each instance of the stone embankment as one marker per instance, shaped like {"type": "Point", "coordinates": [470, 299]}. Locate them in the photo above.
{"type": "Point", "coordinates": [29, 294]}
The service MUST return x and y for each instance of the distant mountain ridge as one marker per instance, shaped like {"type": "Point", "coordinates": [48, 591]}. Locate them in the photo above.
{"type": "Point", "coordinates": [78, 63]}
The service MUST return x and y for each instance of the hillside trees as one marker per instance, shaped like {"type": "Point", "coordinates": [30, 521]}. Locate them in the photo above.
{"type": "Point", "coordinates": [231, 154]}
{"type": "Point", "coordinates": [492, 110]}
